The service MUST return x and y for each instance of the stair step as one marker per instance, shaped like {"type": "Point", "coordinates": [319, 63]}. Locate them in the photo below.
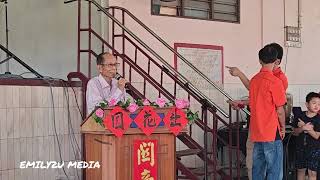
{"type": "Point", "coordinates": [183, 177]}
{"type": "Point", "coordinates": [191, 143]}
{"type": "Point", "coordinates": [200, 171]}
{"type": "Point", "coordinates": [187, 152]}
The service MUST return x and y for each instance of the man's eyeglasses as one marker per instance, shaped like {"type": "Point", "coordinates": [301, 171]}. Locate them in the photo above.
{"type": "Point", "coordinates": [110, 65]}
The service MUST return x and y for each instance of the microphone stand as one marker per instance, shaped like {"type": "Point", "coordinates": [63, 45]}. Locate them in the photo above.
{"type": "Point", "coordinates": [7, 34]}
{"type": "Point", "coordinates": [10, 55]}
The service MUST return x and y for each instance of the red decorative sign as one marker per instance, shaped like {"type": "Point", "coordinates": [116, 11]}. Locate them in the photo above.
{"type": "Point", "coordinates": [175, 120]}
{"type": "Point", "coordinates": [147, 120]}
{"type": "Point", "coordinates": [117, 121]}
{"type": "Point", "coordinates": [145, 159]}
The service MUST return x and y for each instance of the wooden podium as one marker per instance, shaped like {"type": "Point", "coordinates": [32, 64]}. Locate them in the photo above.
{"type": "Point", "coordinates": [115, 155]}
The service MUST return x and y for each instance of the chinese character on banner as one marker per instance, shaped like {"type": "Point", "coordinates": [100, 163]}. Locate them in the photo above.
{"type": "Point", "coordinates": [117, 121]}
{"type": "Point", "coordinates": [175, 120]}
{"type": "Point", "coordinates": [145, 159]}
{"type": "Point", "coordinates": [147, 120]}
{"type": "Point", "coordinates": [145, 175]}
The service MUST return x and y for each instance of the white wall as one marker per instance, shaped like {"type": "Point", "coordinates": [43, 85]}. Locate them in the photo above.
{"type": "Point", "coordinates": [204, 32]}
{"type": "Point", "coordinates": [43, 33]}
{"type": "Point", "coordinates": [261, 22]}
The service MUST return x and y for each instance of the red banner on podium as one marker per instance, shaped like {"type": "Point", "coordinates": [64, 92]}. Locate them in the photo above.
{"type": "Point", "coordinates": [145, 159]}
{"type": "Point", "coordinates": [175, 120]}
{"type": "Point", "coordinates": [147, 120]}
{"type": "Point", "coordinates": [117, 121]}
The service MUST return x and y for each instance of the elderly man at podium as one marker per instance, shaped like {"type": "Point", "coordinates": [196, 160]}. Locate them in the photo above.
{"type": "Point", "coordinates": [105, 87]}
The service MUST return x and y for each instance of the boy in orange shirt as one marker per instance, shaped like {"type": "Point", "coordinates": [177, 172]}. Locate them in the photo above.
{"type": "Point", "coordinates": [234, 71]}
{"type": "Point", "coordinates": [267, 121]}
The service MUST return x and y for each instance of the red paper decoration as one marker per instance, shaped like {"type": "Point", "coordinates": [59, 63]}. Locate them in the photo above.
{"type": "Point", "coordinates": [147, 120]}
{"type": "Point", "coordinates": [145, 160]}
{"type": "Point", "coordinates": [117, 121]}
{"type": "Point", "coordinates": [175, 120]}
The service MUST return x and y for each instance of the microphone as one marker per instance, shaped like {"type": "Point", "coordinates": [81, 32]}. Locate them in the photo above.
{"type": "Point", "coordinates": [117, 76]}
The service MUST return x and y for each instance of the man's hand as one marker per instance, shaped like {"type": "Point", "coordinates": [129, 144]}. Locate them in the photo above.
{"type": "Point", "coordinates": [236, 104]}
{"type": "Point", "coordinates": [122, 83]}
{"type": "Point", "coordinates": [301, 123]}
{"type": "Point", "coordinates": [234, 71]}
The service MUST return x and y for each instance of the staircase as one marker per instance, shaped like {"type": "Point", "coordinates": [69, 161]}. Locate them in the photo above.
{"type": "Point", "coordinates": [148, 72]}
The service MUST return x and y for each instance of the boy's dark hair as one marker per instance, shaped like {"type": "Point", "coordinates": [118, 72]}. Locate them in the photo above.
{"type": "Point", "coordinates": [268, 54]}
{"type": "Point", "coordinates": [312, 95]}
{"type": "Point", "coordinates": [279, 50]}
{"type": "Point", "coordinates": [100, 58]}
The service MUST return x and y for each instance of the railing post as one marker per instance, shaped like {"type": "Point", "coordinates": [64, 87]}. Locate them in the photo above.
{"type": "Point", "coordinates": [161, 81]}
{"type": "Point", "coordinates": [89, 39]}
{"type": "Point", "coordinates": [79, 26]}
{"type": "Point", "coordinates": [230, 140]}
{"type": "Point", "coordinates": [113, 23]}
{"type": "Point", "coordinates": [238, 145]}
{"type": "Point", "coordinates": [123, 39]}
{"type": "Point", "coordinates": [205, 138]}
{"type": "Point", "coordinates": [214, 145]}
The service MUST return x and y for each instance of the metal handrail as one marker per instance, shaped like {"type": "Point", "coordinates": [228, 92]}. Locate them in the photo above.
{"type": "Point", "coordinates": [176, 53]}
{"type": "Point", "coordinates": [167, 65]}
